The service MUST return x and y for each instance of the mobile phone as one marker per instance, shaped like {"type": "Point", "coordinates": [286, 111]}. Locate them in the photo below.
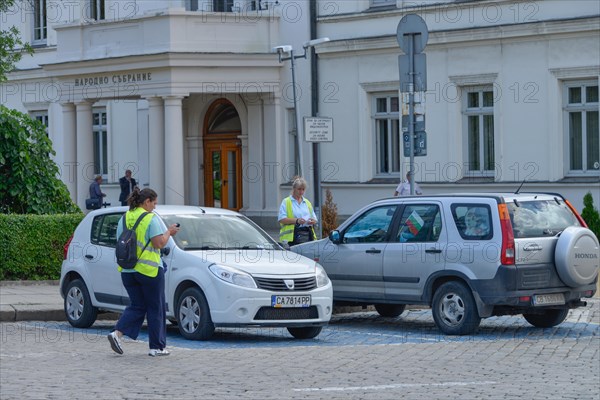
{"type": "Point", "coordinates": [178, 224]}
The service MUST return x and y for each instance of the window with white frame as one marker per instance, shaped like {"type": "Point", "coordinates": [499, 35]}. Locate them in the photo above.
{"type": "Point", "coordinates": [581, 108]}
{"type": "Point", "coordinates": [383, 3]}
{"type": "Point", "coordinates": [387, 133]}
{"type": "Point", "coordinates": [222, 5]}
{"type": "Point", "coordinates": [41, 116]}
{"type": "Point", "coordinates": [479, 121]}
{"type": "Point", "coordinates": [100, 138]}
{"type": "Point", "coordinates": [40, 22]}
{"type": "Point", "coordinates": [97, 10]}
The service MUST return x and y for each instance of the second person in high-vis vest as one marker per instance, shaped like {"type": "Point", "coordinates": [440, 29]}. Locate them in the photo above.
{"type": "Point", "coordinates": [296, 213]}
{"type": "Point", "coordinates": [145, 283]}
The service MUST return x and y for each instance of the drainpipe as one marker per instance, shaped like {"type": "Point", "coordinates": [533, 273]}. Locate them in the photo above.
{"type": "Point", "coordinates": [314, 82]}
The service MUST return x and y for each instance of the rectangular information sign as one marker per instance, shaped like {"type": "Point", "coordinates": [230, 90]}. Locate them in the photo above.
{"type": "Point", "coordinates": [318, 129]}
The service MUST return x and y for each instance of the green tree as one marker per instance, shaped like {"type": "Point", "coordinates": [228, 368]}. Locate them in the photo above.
{"type": "Point", "coordinates": [29, 182]}
{"type": "Point", "coordinates": [590, 214]}
{"type": "Point", "coordinates": [12, 47]}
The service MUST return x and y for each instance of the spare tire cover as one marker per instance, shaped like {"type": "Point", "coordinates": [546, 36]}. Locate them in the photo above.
{"type": "Point", "coordinates": [577, 256]}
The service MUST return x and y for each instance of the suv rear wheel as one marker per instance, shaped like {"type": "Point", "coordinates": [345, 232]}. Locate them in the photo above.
{"type": "Point", "coordinates": [546, 318]}
{"type": "Point", "coordinates": [454, 309]}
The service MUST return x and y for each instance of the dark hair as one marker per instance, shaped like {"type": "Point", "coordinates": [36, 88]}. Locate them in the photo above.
{"type": "Point", "coordinates": [138, 197]}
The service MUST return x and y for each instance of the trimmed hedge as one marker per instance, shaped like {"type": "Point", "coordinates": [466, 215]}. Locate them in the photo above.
{"type": "Point", "coordinates": [32, 245]}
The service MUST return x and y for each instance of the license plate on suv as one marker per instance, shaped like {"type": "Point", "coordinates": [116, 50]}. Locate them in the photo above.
{"type": "Point", "coordinates": [290, 301]}
{"type": "Point", "coordinates": [548, 299]}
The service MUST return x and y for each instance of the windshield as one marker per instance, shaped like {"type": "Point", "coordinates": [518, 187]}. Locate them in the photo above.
{"type": "Point", "coordinates": [540, 217]}
{"type": "Point", "coordinates": [212, 232]}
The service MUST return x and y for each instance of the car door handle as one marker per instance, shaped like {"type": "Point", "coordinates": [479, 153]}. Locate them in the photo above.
{"type": "Point", "coordinates": [433, 251]}
{"type": "Point", "coordinates": [89, 256]}
{"type": "Point", "coordinates": [373, 251]}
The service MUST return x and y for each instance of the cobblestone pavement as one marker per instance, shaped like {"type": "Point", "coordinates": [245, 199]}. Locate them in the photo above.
{"type": "Point", "coordinates": [358, 356]}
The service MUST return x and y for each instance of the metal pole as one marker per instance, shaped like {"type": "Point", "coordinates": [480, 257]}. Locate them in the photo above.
{"type": "Point", "coordinates": [411, 112]}
{"type": "Point", "coordinates": [297, 115]}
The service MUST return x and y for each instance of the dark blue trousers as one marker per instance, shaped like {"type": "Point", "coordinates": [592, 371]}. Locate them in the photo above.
{"type": "Point", "coordinates": [147, 297]}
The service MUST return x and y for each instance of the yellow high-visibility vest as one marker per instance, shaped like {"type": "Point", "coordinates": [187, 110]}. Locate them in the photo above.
{"type": "Point", "coordinates": [286, 231]}
{"type": "Point", "coordinates": [149, 260]}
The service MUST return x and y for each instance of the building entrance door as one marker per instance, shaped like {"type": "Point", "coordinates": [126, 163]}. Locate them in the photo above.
{"type": "Point", "coordinates": [222, 157]}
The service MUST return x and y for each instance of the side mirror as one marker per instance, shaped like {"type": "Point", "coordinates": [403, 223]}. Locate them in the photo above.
{"type": "Point", "coordinates": [165, 251]}
{"type": "Point", "coordinates": [335, 237]}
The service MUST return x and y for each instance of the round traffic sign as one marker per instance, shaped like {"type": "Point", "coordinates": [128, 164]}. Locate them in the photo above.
{"type": "Point", "coordinates": [412, 25]}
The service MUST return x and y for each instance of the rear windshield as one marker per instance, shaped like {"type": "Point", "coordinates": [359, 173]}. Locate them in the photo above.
{"type": "Point", "coordinates": [540, 218]}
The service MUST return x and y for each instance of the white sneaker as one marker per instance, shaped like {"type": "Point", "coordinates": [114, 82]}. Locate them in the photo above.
{"type": "Point", "coordinates": [156, 352]}
{"type": "Point", "coordinates": [115, 342]}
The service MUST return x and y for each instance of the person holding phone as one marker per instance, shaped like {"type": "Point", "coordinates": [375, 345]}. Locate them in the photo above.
{"type": "Point", "coordinates": [297, 216]}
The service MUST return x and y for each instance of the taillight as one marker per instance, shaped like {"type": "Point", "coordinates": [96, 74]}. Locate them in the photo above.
{"type": "Point", "coordinates": [66, 248]}
{"type": "Point", "coordinates": [581, 221]}
{"type": "Point", "coordinates": [507, 253]}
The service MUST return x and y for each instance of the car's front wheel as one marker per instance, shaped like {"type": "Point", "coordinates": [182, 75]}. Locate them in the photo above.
{"type": "Point", "coordinates": [454, 309]}
{"type": "Point", "coordinates": [305, 332]}
{"type": "Point", "coordinates": [78, 305]}
{"type": "Point", "coordinates": [390, 310]}
{"type": "Point", "coordinates": [193, 315]}
{"type": "Point", "coordinates": [546, 318]}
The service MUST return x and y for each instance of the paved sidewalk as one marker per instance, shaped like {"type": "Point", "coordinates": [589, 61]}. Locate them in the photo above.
{"type": "Point", "coordinates": [30, 301]}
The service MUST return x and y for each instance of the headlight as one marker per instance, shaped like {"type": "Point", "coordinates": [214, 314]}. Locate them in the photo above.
{"type": "Point", "coordinates": [233, 276]}
{"type": "Point", "coordinates": [322, 278]}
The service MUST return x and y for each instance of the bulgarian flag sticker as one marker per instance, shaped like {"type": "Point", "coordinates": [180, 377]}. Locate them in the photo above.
{"type": "Point", "coordinates": [414, 223]}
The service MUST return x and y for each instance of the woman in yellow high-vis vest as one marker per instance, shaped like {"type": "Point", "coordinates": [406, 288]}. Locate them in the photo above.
{"type": "Point", "coordinates": [296, 213]}
{"type": "Point", "coordinates": [145, 283]}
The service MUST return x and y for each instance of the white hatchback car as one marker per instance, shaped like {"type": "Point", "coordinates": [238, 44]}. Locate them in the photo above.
{"type": "Point", "coordinates": [222, 270]}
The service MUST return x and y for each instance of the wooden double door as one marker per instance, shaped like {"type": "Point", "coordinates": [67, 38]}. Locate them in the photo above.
{"type": "Point", "coordinates": [223, 174]}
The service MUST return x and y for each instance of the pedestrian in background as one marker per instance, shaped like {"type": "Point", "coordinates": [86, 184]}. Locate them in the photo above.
{"type": "Point", "coordinates": [403, 188]}
{"type": "Point", "coordinates": [297, 216]}
{"type": "Point", "coordinates": [127, 184]}
{"type": "Point", "coordinates": [96, 195]}
{"type": "Point", "coordinates": [145, 283]}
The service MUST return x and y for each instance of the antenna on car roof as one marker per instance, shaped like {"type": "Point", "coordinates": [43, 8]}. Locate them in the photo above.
{"type": "Point", "coordinates": [520, 186]}
{"type": "Point", "coordinates": [201, 209]}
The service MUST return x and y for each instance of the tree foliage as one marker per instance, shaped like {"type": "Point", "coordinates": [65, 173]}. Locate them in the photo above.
{"type": "Point", "coordinates": [590, 215]}
{"type": "Point", "coordinates": [329, 214]}
{"type": "Point", "coordinates": [29, 178]}
{"type": "Point", "coordinates": [12, 46]}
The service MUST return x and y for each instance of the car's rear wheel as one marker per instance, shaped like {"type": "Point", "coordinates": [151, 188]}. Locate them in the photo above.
{"type": "Point", "coordinates": [454, 309]}
{"type": "Point", "coordinates": [390, 310]}
{"type": "Point", "coordinates": [546, 318]}
{"type": "Point", "coordinates": [193, 315]}
{"type": "Point", "coordinates": [305, 332]}
{"type": "Point", "coordinates": [78, 305]}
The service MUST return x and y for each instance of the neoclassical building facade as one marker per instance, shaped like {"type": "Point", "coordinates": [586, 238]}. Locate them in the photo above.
{"type": "Point", "coordinates": [190, 96]}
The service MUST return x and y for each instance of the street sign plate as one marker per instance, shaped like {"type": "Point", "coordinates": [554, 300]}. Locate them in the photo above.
{"type": "Point", "coordinates": [318, 129]}
{"type": "Point", "coordinates": [410, 26]}
{"type": "Point", "coordinates": [419, 71]}
{"type": "Point", "coordinates": [419, 143]}
{"type": "Point", "coordinates": [419, 123]}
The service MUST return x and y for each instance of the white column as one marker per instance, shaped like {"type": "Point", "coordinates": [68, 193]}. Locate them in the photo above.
{"type": "Point", "coordinates": [156, 152]}
{"type": "Point", "coordinates": [174, 160]}
{"type": "Point", "coordinates": [195, 177]}
{"type": "Point", "coordinates": [85, 152]}
{"type": "Point", "coordinates": [69, 167]}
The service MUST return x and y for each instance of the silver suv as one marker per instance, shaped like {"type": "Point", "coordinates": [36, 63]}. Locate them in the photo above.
{"type": "Point", "coordinates": [467, 256]}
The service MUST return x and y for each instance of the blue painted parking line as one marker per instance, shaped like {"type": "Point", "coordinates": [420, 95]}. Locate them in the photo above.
{"type": "Point", "coordinates": [359, 329]}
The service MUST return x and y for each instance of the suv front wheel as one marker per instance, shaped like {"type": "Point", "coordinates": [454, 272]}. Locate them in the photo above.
{"type": "Point", "coordinates": [454, 309]}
